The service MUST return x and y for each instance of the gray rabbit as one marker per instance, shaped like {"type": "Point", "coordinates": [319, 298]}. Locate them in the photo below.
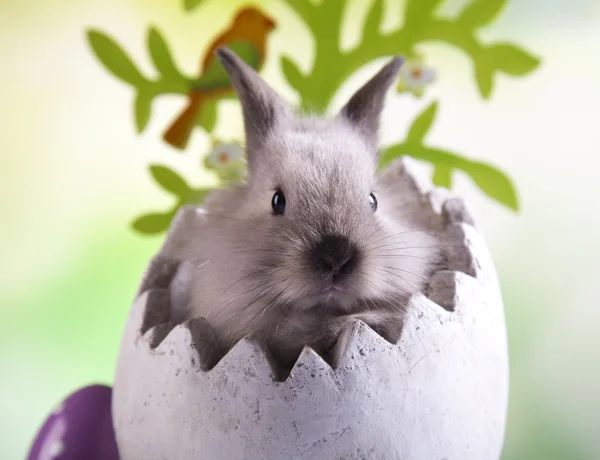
{"type": "Point", "coordinates": [313, 239]}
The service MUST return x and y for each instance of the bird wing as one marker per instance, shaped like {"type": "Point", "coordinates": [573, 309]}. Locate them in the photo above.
{"type": "Point", "coordinates": [215, 76]}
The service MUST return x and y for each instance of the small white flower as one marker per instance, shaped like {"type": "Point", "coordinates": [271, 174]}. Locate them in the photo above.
{"type": "Point", "coordinates": [227, 160]}
{"type": "Point", "coordinates": [223, 154]}
{"type": "Point", "coordinates": [414, 76]}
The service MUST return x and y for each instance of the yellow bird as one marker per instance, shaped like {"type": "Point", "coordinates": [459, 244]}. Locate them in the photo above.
{"type": "Point", "coordinates": [247, 37]}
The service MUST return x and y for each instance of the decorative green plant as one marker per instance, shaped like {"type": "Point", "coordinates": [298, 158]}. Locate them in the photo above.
{"type": "Point", "coordinates": [330, 69]}
{"type": "Point", "coordinates": [170, 79]}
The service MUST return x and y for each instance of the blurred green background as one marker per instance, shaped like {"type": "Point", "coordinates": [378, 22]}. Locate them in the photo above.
{"type": "Point", "coordinates": [73, 173]}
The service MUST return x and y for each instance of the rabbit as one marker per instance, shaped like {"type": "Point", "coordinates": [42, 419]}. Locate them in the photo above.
{"type": "Point", "coordinates": [313, 238]}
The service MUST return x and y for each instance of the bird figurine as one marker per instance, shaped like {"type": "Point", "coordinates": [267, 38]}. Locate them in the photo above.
{"type": "Point", "coordinates": [246, 37]}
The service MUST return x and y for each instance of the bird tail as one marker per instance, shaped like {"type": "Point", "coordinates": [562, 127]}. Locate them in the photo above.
{"type": "Point", "coordinates": [180, 130]}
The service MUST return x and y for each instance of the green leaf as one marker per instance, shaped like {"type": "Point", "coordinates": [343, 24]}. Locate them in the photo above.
{"type": "Point", "coordinates": [208, 116]}
{"type": "Point", "coordinates": [485, 78]}
{"type": "Point", "coordinates": [189, 5]}
{"type": "Point", "coordinates": [143, 107]}
{"type": "Point", "coordinates": [389, 154]}
{"type": "Point", "coordinates": [197, 196]}
{"type": "Point", "coordinates": [170, 180]}
{"type": "Point", "coordinates": [292, 73]}
{"type": "Point", "coordinates": [512, 60]}
{"type": "Point", "coordinates": [416, 11]}
{"type": "Point", "coordinates": [422, 123]}
{"type": "Point", "coordinates": [152, 224]}
{"type": "Point", "coordinates": [490, 180]}
{"type": "Point", "coordinates": [161, 55]}
{"type": "Point", "coordinates": [442, 176]}
{"type": "Point", "coordinates": [493, 183]}
{"type": "Point", "coordinates": [114, 58]}
{"type": "Point", "coordinates": [480, 13]}
{"type": "Point", "coordinates": [373, 21]}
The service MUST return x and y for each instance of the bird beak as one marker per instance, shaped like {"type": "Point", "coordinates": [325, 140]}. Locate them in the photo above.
{"type": "Point", "coordinates": [270, 23]}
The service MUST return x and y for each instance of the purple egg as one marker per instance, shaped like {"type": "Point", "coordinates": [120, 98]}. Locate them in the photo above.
{"type": "Point", "coordinates": [80, 429]}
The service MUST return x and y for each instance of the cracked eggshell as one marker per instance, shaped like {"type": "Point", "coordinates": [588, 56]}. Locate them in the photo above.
{"type": "Point", "coordinates": [441, 392]}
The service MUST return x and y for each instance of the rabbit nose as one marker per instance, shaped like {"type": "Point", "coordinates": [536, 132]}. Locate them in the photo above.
{"type": "Point", "coordinates": [334, 255]}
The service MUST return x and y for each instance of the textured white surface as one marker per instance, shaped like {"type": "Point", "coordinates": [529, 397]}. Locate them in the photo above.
{"type": "Point", "coordinates": [439, 394]}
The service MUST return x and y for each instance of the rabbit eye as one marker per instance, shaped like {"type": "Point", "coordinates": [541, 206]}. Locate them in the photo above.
{"type": "Point", "coordinates": [278, 203]}
{"type": "Point", "coordinates": [373, 202]}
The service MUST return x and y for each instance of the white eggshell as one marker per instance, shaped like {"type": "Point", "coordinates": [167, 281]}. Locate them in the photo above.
{"type": "Point", "coordinates": [440, 393]}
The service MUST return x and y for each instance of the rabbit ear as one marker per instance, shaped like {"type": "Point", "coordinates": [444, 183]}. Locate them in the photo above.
{"type": "Point", "coordinates": [263, 108]}
{"type": "Point", "coordinates": [364, 108]}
